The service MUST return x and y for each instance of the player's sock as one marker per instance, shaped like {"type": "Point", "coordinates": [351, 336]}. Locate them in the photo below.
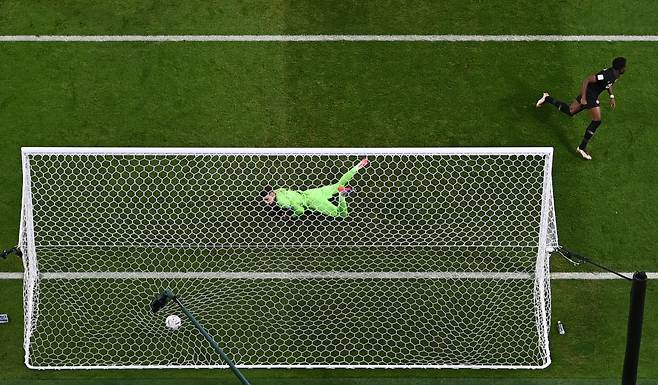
{"type": "Point", "coordinates": [562, 106]}
{"type": "Point", "coordinates": [589, 133]}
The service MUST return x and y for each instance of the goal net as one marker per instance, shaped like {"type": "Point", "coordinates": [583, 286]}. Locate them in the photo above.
{"type": "Point", "coordinates": [440, 261]}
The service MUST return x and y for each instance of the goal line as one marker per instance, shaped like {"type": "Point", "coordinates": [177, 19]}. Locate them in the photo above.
{"type": "Point", "coordinates": [291, 275]}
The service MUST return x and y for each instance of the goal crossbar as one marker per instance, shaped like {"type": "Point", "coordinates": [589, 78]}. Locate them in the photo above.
{"type": "Point", "coordinates": [287, 150]}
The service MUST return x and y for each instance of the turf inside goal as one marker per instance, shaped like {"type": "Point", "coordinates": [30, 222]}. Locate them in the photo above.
{"type": "Point", "coordinates": [438, 259]}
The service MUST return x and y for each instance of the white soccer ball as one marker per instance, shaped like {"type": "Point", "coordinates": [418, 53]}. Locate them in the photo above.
{"type": "Point", "coordinates": [173, 322]}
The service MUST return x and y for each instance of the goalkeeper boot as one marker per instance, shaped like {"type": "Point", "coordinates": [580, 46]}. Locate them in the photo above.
{"type": "Point", "coordinates": [345, 190]}
{"type": "Point", "coordinates": [583, 154]}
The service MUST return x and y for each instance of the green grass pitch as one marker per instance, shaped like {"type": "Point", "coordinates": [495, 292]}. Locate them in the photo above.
{"type": "Point", "coordinates": [374, 94]}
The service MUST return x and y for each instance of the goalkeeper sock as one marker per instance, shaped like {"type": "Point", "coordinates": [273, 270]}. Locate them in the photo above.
{"type": "Point", "coordinates": [562, 106]}
{"type": "Point", "coordinates": [589, 133]}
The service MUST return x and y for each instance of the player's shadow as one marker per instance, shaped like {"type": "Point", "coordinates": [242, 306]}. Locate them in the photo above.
{"type": "Point", "coordinates": [552, 121]}
{"type": "Point", "coordinates": [554, 125]}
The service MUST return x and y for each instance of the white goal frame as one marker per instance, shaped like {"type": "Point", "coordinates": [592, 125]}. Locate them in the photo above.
{"type": "Point", "coordinates": [546, 243]}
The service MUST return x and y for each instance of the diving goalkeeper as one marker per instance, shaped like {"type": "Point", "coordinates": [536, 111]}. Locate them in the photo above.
{"type": "Point", "coordinates": [316, 199]}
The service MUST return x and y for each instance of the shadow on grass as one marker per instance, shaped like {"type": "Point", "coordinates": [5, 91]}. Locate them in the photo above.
{"type": "Point", "coordinates": [548, 117]}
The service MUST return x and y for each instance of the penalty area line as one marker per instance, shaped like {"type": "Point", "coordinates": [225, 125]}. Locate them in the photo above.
{"type": "Point", "coordinates": [327, 38]}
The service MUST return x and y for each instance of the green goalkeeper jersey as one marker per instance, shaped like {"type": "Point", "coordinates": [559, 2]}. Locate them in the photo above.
{"type": "Point", "coordinates": [316, 199]}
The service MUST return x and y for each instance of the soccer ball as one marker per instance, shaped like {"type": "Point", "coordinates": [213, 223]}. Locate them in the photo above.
{"type": "Point", "coordinates": [173, 322]}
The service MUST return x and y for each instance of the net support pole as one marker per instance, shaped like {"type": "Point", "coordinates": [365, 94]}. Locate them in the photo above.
{"type": "Point", "coordinates": [634, 334]}
{"type": "Point", "coordinates": [213, 343]}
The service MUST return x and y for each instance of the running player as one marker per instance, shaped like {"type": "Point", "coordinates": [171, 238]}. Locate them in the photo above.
{"type": "Point", "coordinates": [316, 199]}
{"type": "Point", "coordinates": [588, 99]}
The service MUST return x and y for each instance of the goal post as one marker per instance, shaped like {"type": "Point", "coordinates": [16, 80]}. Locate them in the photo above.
{"type": "Point", "coordinates": [440, 261]}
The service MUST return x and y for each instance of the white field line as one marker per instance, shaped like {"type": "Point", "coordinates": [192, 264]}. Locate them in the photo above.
{"type": "Point", "coordinates": [322, 38]}
{"type": "Point", "coordinates": [316, 275]}
{"type": "Point", "coordinates": [294, 275]}
{"type": "Point", "coordinates": [11, 275]}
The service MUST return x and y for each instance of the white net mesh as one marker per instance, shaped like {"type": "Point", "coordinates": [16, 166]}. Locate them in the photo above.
{"type": "Point", "coordinates": [441, 262]}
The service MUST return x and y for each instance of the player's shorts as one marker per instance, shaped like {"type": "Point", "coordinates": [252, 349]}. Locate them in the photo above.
{"type": "Point", "coordinates": [592, 101]}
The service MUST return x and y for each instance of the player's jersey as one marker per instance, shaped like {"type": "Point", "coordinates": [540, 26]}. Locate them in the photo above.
{"type": "Point", "coordinates": [288, 199]}
{"type": "Point", "coordinates": [604, 80]}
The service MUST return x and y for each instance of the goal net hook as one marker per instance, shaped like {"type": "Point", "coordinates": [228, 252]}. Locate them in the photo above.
{"type": "Point", "coordinates": [14, 250]}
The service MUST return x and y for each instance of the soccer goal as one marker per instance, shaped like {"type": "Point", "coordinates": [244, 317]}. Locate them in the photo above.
{"type": "Point", "coordinates": [441, 260]}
